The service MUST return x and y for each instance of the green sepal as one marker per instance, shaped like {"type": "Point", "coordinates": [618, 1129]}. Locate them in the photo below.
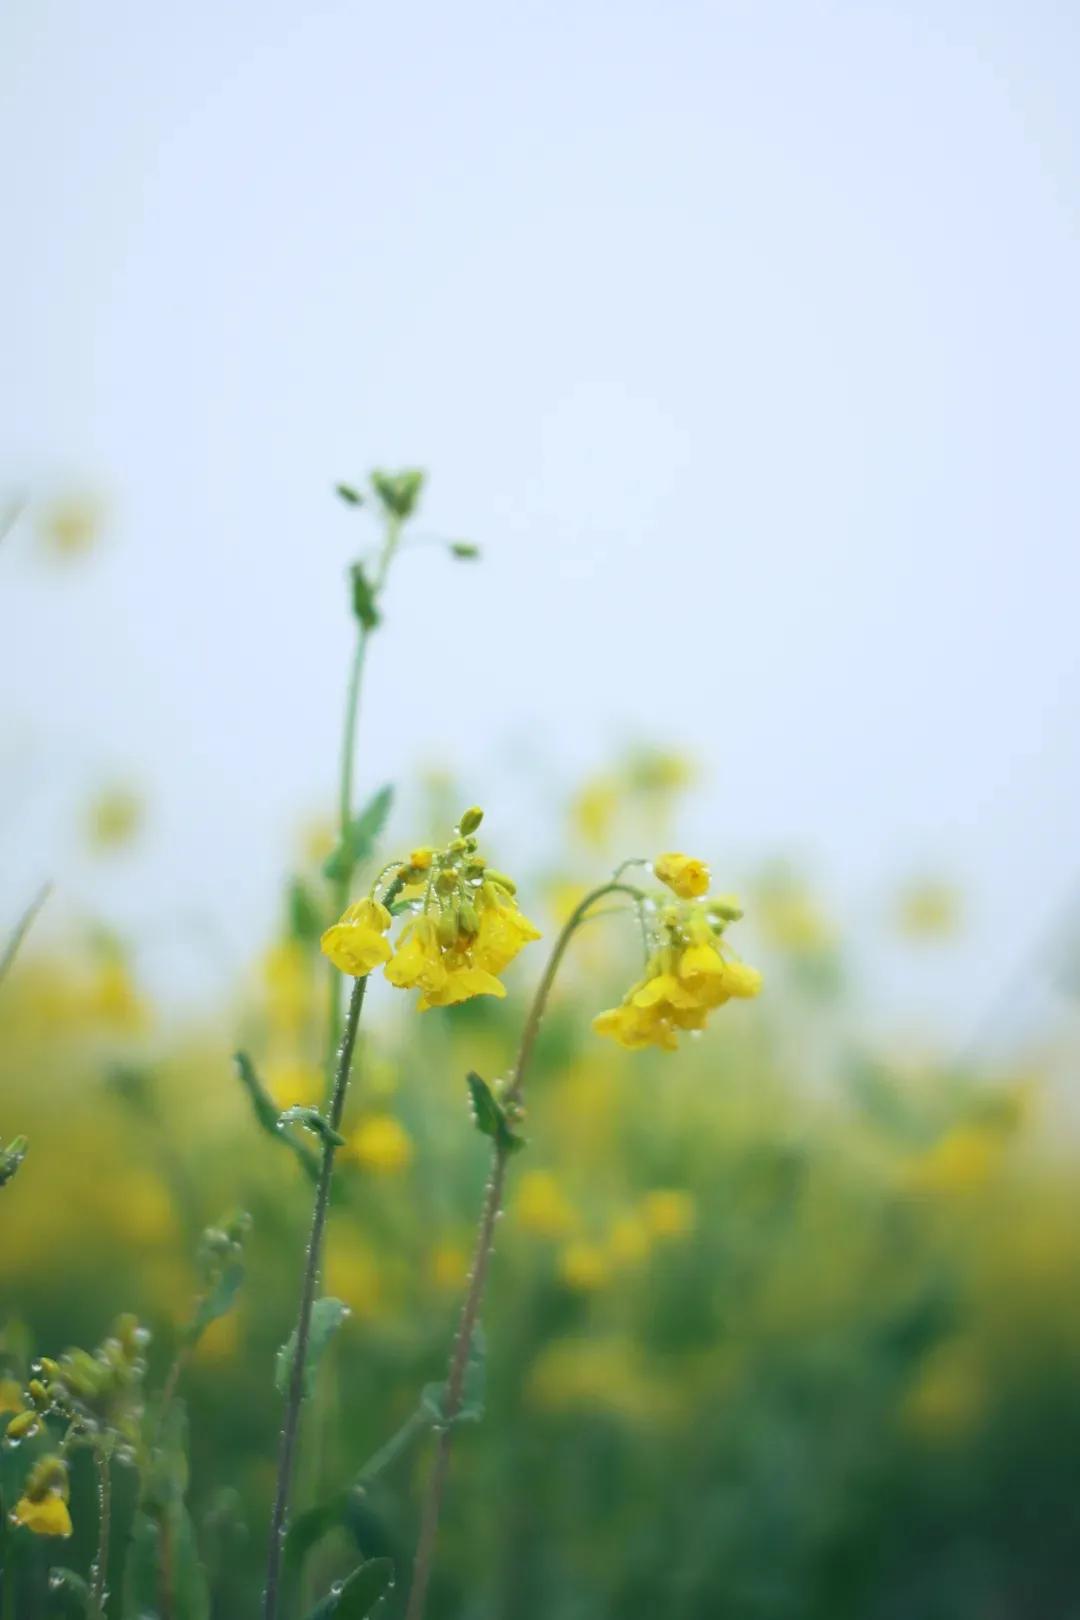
{"type": "Point", "coordinates": [464, 550]}
{"type": "Point", "coordinates": [327, 1315]}
{"type": "Point", "coordinates": [364, 605]}
{"type": "Point", "coordinates": [351, 496]}
{"type": "Point", "coordinates": [400, 491]}
{"type": "Point", "coordinates": [311, 1119]}
{"type": "Point", "coordinates": [359, 842]}
{"type": "Point", "coordinates": [490, 1116]}
{"type": "Point", "coordinates": [365, 1587]}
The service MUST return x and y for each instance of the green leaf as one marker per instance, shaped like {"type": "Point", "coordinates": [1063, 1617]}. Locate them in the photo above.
{"type": "Point", "coordinates": [218, 1301]}
{"type": "Point", "coordinates": [266, 1113]}
{"type": "Point", "coordinates": [490, 1116]}
{"type": "Point", "coordinates": [464, 550]}
{"type": "Point", "coordinates": [162, 1537]}
{"type": "Point", "coordinates": [22, 928]}
{"type": "Point", "coordinates": [68, 1592]}
{"type": "Point", "coordinates": [364, 604]}
{"type": "Point", "coordinates": [306, 921]}
{"type": "Point", "coordinates": [327, 1315]}
{"type": "Point", "coordinates": [356, 1599]}
{"type": "Point", "coordinates": [11, 1157]}
{"type": "Point", "coordinates": [471, 1410]}
{"type": "Point", "coordinates": [351, 496]}
{"type": "Point", "coordinates": [359, 842]}
{"type": "Point", "coordinates": [311, 1120]}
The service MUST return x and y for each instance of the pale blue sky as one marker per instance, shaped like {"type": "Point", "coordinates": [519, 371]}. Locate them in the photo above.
{"type": "Point", "coordinates": [743, 337]}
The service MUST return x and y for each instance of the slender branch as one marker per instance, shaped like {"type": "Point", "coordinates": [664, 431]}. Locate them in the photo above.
{"type": "Point", "coordinates": [100, 1567]}
{"type": "Point", "coordinates": [346, 780]}
{"type": "Point", "coordinates": [22, 928]}
{"type": "Point", "coordinates": [309, 1283]}
{"type": "Point", "coordinates": [485, 1242]}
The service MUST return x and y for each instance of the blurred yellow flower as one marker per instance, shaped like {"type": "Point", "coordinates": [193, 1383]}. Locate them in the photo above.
{"type": "Point", "coordinates": [381, 1144]}
{"type": "Point", "coordinates": [597, 1375]}
{"type": "Point", "coordinates": [220, 1343]}
{"type": "Point", "coordinates": [357, 943]}
{"type": "Point", "coordinates": [630, 1240]}
{"type": "Point", "coordinates": [11, 1395]}
{"type": "Point", "coordinates": [929, 910]}
{"type": "Point", "coordinates": [685, 876]}
{"type": "Point", "coordinates": [593, 811]}
{"type": "Point", "coordinates": [318, 840]}
{"type": "Point", "coordinates": [542, 1207]}
{"type": "Point", "coordinates": [295, 1085]}
{"type": "Point", "coordinates": [287, 977]}
{"type": "Point", "coordinates": [43, 1506]}
{"type": "Point", "coordinates": [70, 525]}
{"type": "Point", "coordinates": [949, 1395]}
{"type": "Point", "coordinates": [669, 1212]}
{"type": "Point", "coordinates": [49, 1517]}
{"type": "Point", "coordinates": [962, 1161]}
{"type": "Point", "coordinates": [449, 1265]}
{"type": "Point", "coordinates": [584, 1267]}
{"type": "Point", "coordinates": [114, 818]}
{"type": "Point", "coordinates": [791, 919]}
{"type": "Point", "coordinates": [352, 1273]}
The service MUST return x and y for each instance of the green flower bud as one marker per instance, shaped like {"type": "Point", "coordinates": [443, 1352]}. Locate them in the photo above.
{"type": "Point", "coordinates": [470, 820]}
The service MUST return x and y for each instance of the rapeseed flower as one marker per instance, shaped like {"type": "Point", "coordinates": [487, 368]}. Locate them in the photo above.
{"type": "Point", "coordinates": [684, 876]}
{"type": "Point", "coordinates": [464, 930]}
{"type": "Point", "coordinates": [381, 1144]}
{"type": "Point", "coordinates": [357, 943]}
{"type": "Point", "coordinates": [688, 974]}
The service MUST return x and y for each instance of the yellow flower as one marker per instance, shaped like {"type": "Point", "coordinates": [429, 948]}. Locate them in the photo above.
{"type": "Point", "coordinates": [358, 943]}
{"type": "Point", "coordinates": [49, 1517]}
{"type": "Point", "coordinates": [43, 1506]}
{"type": "Point", "coordinates": [686, 978]}
{"type": "Point", "coordinates": [70, 525]}
{"type": "Point", "coordinates": [929, 911]}
{"type": "Point", "coordinates": [685, 876]}
{"type": "Point", "coordinates": [541, 1206]}
{"type": "Point", "coordinates": [584, 1267]}
{"type": "Point", "coordinates": [503, 929]}
{"type": "Point", "coordinates": [382, 1144]}
{"type": "Point", "coordinates": [669, 1212]}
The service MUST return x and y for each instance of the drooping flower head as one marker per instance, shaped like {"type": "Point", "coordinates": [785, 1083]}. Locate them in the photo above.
{"type": "Point", "coordinates": [463, 926]}
{"type": "Point", "coordinates": [689, 970]}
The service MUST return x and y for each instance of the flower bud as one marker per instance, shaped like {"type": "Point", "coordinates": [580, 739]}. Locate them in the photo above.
{"type": "Point", "coordinates": [447, 928]}
{"type": "Point", "coordinates": [470, 820]}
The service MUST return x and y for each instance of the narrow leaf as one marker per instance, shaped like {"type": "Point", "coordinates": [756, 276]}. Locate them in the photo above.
{"type": "Point", "coordinates": [359, 842]}
{"type": "Point", "coordinates": [356, 1599]}
{"type": "Point", "coordinates": [266, 1113]}
{"type": "Point", "coordinates": [327, 1316]}
{"type": "Point", "coordinates": [490, 1116]}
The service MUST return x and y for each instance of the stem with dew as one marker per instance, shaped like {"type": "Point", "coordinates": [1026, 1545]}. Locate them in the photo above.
{"type": "Point", "coordinates": [485, 1242]}
{"type": "Point", "coordinates": [100, 1567]}
{"type": "Point", "coordinates": [309, 1283]}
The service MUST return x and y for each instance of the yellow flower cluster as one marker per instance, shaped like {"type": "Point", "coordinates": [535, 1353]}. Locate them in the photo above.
{"type": "Point", "coordinates": [464, 928]}
{"type": "Point", "coordinates": [689, 972]}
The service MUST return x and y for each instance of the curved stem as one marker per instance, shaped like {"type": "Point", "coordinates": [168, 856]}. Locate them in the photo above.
{"type": "Point", "coordinates": [485, 1242]}
{"type": "Point", "coordinates": [309, 1283]}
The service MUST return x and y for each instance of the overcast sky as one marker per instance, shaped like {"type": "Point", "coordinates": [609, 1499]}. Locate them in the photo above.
{"type": "Point", "coordinates": [743, 337]}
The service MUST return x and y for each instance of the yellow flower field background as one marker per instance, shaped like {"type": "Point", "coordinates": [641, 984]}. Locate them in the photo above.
{"type": "Point", "coordinates": [782, 1325]}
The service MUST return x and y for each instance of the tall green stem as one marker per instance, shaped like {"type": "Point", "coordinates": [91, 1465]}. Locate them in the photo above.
{"type": "Point", "coordinates": [347, 775]}
{"type": "Point", "coordinates": [309, 1283]}
{"type": "Point", "coordinates": [485, 1242]}
{"type": "Point", "coordinates": [100, 1568]}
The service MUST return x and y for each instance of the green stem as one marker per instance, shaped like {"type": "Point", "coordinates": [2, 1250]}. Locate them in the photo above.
{"type": "Point", "coordinates": [347, 774]}
{"type": "Point", "coordinates": [485, 1242]}
{"type": "Point", "coordinates": [308, 1286]}
{"type": "Point", "coordinates": [100, 1567]}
